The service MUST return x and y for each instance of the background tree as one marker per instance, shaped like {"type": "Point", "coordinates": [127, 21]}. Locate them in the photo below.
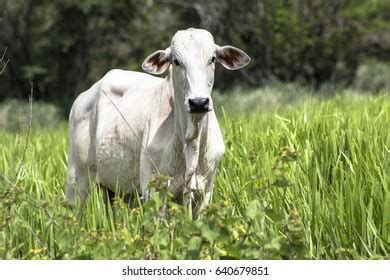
{"type": "Point", "coordinates": [64, 46]}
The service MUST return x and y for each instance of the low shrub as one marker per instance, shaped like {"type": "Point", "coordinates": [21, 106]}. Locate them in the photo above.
{"type": "Point", "coordinates": [373, 76]}
{"type": "Point", "coordinates": [15, 115]}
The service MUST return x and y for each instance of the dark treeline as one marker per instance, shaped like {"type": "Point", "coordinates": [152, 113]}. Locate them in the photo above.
{"type": "Point", "coordinates": [63, 46]}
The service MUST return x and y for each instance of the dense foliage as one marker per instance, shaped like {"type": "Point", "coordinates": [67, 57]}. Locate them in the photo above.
{"type": "Point", "coordinates": [64, 46]}
{"type": "Point", "coordinates": [300, 179]}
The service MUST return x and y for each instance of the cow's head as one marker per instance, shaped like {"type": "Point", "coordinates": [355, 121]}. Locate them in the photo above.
{"type": "Point", "coordinates": [192, 55]}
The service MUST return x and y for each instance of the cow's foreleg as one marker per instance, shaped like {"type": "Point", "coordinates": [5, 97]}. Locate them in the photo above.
{"type": "Point", "coordinates": [208, 191]}
{"type": "Point", "coordinates": [146, 175]}
{"type": "Point", "coordinates": [208, 166]}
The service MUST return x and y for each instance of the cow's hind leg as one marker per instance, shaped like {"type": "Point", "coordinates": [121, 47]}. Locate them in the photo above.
{"type": "Point", "coordinates": [77, 183]}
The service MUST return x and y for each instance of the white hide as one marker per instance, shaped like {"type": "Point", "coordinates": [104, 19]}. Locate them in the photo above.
{"type": "Point", "coordinates": [129, 126]}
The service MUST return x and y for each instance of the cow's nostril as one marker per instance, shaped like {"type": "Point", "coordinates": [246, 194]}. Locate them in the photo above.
{"type": "Point", "coordinates": [199, 105]}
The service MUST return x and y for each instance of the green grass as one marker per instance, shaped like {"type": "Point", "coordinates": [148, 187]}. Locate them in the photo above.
{"type": "Point", "coordinates": [301, 178]}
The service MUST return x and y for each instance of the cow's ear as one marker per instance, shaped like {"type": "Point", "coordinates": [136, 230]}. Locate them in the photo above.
{"type": "Point", "coordinates": [157, 62]}
{"type": "Point", "coordinates": [231, 58]}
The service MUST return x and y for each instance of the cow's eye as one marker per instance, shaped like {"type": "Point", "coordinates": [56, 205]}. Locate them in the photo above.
{"type": "Point", "coordinates": [176, 62]}
{"type": "Point", "coordinates": [212, 60]}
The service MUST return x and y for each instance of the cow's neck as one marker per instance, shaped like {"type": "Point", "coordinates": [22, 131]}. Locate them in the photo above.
{"type": "Point", "coordinates": [189, 131]}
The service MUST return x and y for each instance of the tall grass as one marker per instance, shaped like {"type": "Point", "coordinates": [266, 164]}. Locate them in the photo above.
{"type": "Point", "coordinates": [305, 178]}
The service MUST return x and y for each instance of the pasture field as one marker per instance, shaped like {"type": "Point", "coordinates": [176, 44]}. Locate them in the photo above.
{"type": "Point", "coordinates": [302, 178]}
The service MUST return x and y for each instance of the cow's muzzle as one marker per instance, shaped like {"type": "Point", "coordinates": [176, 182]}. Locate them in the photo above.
{"type": "Point", "coordinates": [199, 105]}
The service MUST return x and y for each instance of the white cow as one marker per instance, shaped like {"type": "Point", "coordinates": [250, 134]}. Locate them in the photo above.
{"type": "Point", "coordinates": [129, 126]}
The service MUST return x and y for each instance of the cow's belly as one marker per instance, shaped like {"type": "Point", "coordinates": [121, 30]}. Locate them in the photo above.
{"type": "Point", "coordinates": [118, 163]}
